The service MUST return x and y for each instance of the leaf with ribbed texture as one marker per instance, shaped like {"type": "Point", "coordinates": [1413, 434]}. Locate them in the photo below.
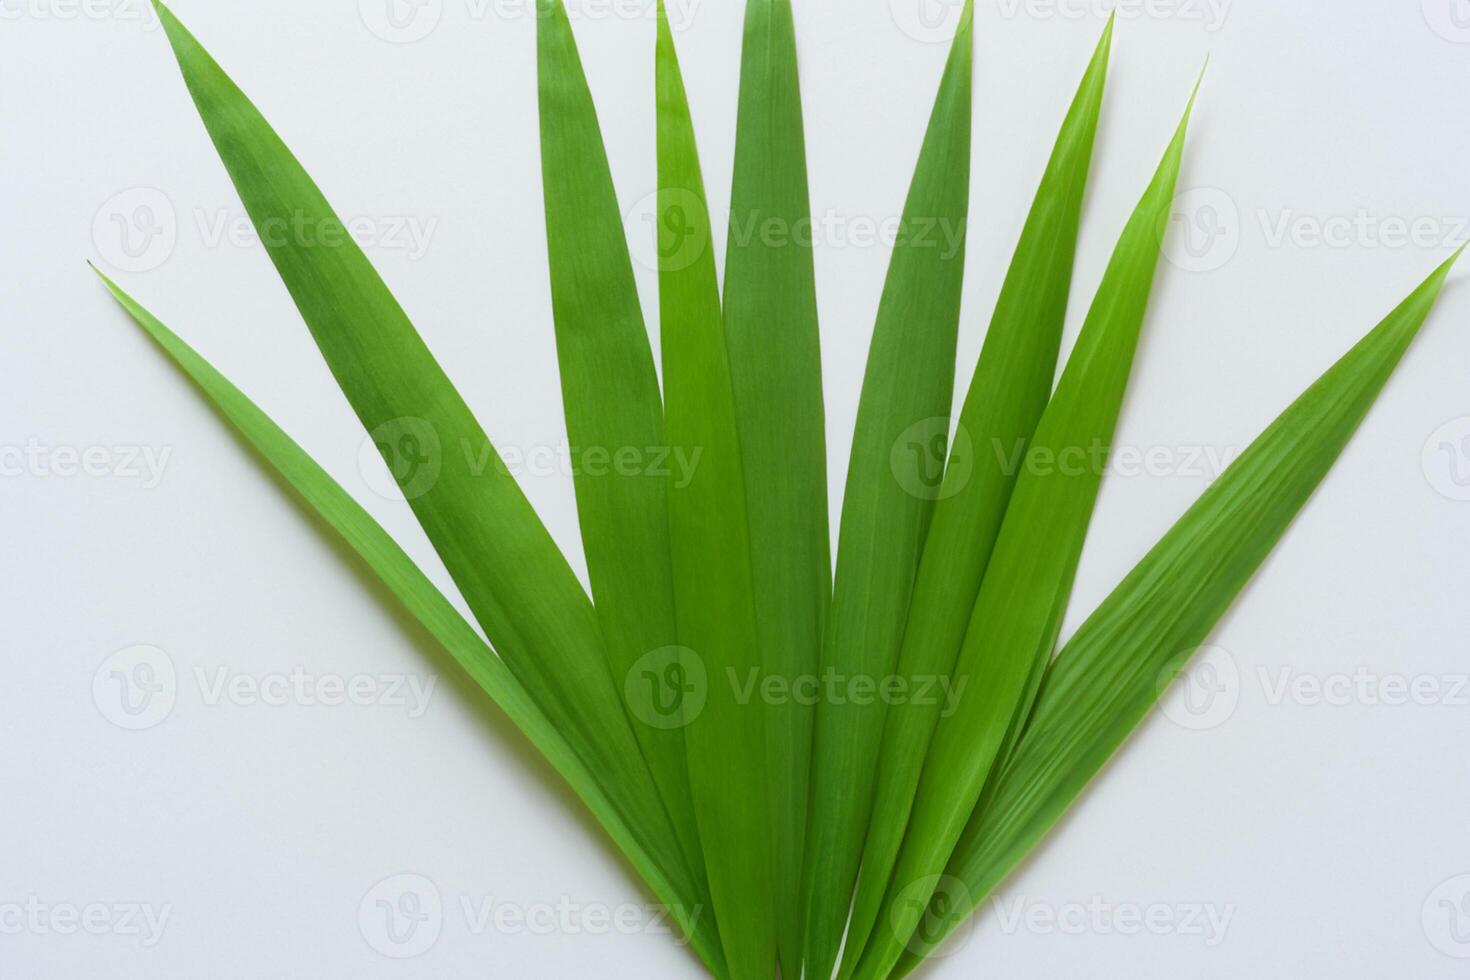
{"type": "Point", "coordinates": [429, 606]}
{"type": "Point", "coordinates": [726, 740]}
{"type": "Point", "coordinates": [1012, 382]}
{"type": "Point", "coordinates": [1019, 608]}
{"type": "Point", "coordinates": [775, 364]}
{"type": "Point", "coordinates": [1105, 681]}
{"type": "Point", "coordinates": [908, 387]}
{"type": "Point", "coordinates": [516, 582]}
{"type": "Point", "coordinates": [789, 763]}
{"type": "Point", "coordinates": [611, 398]}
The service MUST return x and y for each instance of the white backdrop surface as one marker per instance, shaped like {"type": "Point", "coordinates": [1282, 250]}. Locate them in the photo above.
{"type": "Point", "coordinates": [183, 800]}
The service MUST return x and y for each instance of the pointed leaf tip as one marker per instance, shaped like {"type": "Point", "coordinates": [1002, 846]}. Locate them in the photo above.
{"type": "Point", "coordinates": [1184, 120]}
{"type": "Point", "coordinates": [1442, 273]}
{"type": "Point", "coordinates": [1199, 81]}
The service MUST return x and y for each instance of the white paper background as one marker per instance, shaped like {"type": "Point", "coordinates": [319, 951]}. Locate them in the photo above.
{"type": "Point", "coordinates": [1329, 828]}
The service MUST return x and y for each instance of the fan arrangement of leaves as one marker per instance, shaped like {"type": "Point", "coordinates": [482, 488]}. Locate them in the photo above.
{"type": "Point", "coordinates": [805, 835]}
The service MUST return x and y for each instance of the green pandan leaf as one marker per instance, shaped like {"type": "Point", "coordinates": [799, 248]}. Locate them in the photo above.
{"type": "Point", "coordinates": [515, 580]}
{"type": "Point", "coordinates": [775, 365]}
{"type": "Point", "coordinates": [611, 397]}
{"type": "Point", "coordinates": [909, 383]}
{"type": "Point", "coordinates": [1125, 655]}
{"type": "Point", "coordinates": [429, 606]}
{"type": "Point", "coordinates": [1019, 609]}
{"type": "Point", "coordinates": [1012, 383]}
{"type": "Point", "coordinates": [714, 588]}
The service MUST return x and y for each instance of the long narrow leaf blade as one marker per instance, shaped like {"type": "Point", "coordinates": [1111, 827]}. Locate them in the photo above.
{"type": "Point", "coordinates": [428, 605]}
{"type": "Point", "coordinates": [775, 364]}
{"type": "Point", "coordinates": [1113, 671]}
{"type": "Point", "coordinates": [715, 598]}
{"type": "Point", "coordinates": [1007, 395]}
{"type": "Point", "coordinates": [610, 395]}
{"type": "Point", "coordinates": [1019, 609]}
{"type": "Point", "coordinates": [516, 582]}
{"type": "Point", "coordinates": [909, 381]}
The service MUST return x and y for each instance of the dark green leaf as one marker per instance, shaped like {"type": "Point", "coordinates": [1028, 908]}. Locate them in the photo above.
{"type": "Point", "coordinates": [403, 578]}
{"type": "Point", "coordinates": [1019, 608]}
{"type": "Point", "coordinates": [501, 557]}
{"type": "Point", "coordinates": [1012, 383]}
{"type": "Point", "coordinates": [909, 386]}
{"type": "Point", "coordinates": [775, 364]}
{"type": "Point", "coordinates": [726, 740]}
{"type": "Point", "coordinates": [1125, 656]}
{"type": "Point", "coordinates": [611, 398]}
